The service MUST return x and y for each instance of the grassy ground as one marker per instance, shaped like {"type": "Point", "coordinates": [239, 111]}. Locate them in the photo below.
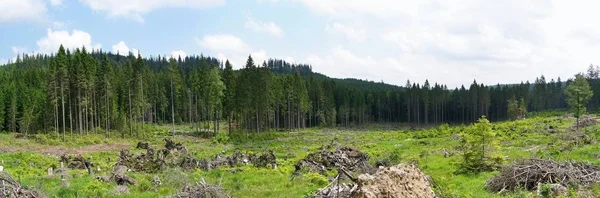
{"type": "Point", "coordinates": [28, 158]}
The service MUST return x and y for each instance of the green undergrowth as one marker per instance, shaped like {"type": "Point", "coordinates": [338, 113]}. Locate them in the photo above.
{"type": "Point", "coordinates": [539, 137]}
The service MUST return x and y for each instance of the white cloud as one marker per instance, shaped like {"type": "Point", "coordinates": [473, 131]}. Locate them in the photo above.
{"type": "Point", "coordinates": [18, 50]}
{"type": "Point", "coordinates": [134, 9]}
{"type": "Point", "coordinates": [289, 59]}
{"type": "Point", "coordinates": [238, 60]}
{"type": "Point", "coordinates": [342, 63]}
{"type": "Point", "coordinates": [58, 25]}
{"type": "Point", "coordinates": [456, 41]}
{"type": "Point", "coordinates": [232, 48]}
{"type": "Point", "coordinates": [122, 49]}
{"type": "Point", "coordinates": [351, 33]}
{"type": "Point", "coordinates": [357, 8]}
{"type": "Point", "coordinates": [259, 57]}
{"type": "Point", "coordinates": [223, 42]}
{"type": "Point", "coordinates": [264, 27]}
{"type": "Point", "coordinates": [178, 53]}
{"type": "Point", "coordinates": [76, 39]}
{"type": "Point", "coordinates": [55, 2]}
{"type": "Point", "coordinates": [22, 10]}
{"type": "Point", "coordinates": [269, 1]}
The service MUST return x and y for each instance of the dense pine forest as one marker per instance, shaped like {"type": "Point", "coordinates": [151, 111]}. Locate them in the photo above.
{"type": "Point", "coordinates": [80, 91]}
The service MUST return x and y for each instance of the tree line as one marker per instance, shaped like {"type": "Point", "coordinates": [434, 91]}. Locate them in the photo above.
{"type": "Point", "coordinates": [77, 92]}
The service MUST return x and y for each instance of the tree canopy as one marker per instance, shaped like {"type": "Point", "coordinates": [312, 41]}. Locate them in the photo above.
{"type": "Point", "coordinates": [77, 91]}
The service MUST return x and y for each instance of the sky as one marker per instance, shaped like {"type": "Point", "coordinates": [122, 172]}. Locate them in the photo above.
{"type": "Point", "coordinates": [452, 42]}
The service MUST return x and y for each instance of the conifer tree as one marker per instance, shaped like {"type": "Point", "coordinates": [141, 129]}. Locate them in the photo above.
{"type": "Point", "coordinates": [578, 94]}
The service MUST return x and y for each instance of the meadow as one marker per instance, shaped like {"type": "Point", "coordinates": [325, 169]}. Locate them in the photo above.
{"type": "Point", "coordinates": [435, 149]}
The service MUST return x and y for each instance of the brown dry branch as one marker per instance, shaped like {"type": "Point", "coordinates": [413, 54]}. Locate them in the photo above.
{"type": "Point", "coordinates": [10, 188]}
{"type": "Point", "coordinates": [350, 159]}
{"type": "Point", "coordinates": [527, 174]}
{"type": "Point", "coordinates": [202, 190]}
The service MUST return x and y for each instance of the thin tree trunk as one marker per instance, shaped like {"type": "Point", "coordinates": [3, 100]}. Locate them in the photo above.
{"type": "Point", "coordinates": [62, 101]}
{"type": "Point", "coordinates": [107, 111]}
{"type": "Point", "coordinates": [172, 108]}
{"type": "Point", "coordinates": [70, 115]}
{"type": "Point", "coordinates": [257, 125]}
{"type": "Point", "coordinates": [79, 116]}
{"type": "Point", "coordinates": [142, 106]}
{"type": "Point", "coordinates": [130, 113]}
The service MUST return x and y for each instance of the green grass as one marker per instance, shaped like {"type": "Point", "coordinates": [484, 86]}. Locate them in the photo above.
{"type": "Point", "coordinates": [519, 139]}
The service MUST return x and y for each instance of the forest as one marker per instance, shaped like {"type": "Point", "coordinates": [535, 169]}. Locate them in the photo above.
{"type": "Point", "coordinates": [78, 91]}
{"type": "Point", "coordinates": [81, 123]}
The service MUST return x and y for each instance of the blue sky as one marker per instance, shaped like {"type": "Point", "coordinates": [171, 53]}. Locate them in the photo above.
{"type": "Point", "coordinates": [450, 42]}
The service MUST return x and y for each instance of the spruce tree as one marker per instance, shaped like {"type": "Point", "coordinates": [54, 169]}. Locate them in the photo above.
{"type": "Point", "coordinates": [578, 94]}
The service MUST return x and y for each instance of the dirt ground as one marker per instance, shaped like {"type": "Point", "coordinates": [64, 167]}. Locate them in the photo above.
{"type": "Point", "coordinates": [61, 150]}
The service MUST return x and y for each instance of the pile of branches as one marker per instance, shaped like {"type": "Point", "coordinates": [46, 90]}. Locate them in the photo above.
{"type": "Point", "coordinates": [10, 188]}
{"type": "Point", "coordinates": [202, 190]}
{"type": "Point", "coordinates": [76, 162]}
{"type": "Point", "coordinates": [348, 158]}
{"type": "Point", "coordinates": [262, 160]}
{"type": "Point", "coordinates": [584, 121]}
{"type": "Point", "coordinates": [527, 174]}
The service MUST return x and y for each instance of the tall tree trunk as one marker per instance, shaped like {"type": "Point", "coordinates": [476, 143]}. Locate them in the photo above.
{"type": "Point", "coordinates": [55, 116]}
{"type": "Point", "coordinates": [215, 119]}
{"type": "Point", "coordinates": [62, 101]}
{"type": "Point", "coordinates": [257, 125]}
{"type": "Point", "coordinates": [107, 111]}
{"type": "Point", "coordinates": [143, 111]}
{"type": "Point", "coordinates": [79, 116]}
{"type": "Point", "coordinates": [172, 108]}
{"type": "Point", "coordinates": [70, 114]}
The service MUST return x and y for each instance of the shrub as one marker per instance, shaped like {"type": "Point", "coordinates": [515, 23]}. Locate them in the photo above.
{"type": "Point", "coordinates": [221, 138]}
{"type": "Point", "coordinates": [479, 144]}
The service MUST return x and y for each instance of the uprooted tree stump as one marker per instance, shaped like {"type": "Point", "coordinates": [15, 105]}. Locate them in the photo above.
{"type": "Point", "coordinates": [528, 174]}
{"type": "Point", "coordinates": [77, 162]}
{"type": "Point", "coordinates": [265, 159]}
{"type": "Point", "coordinates": [142, 145]}
{"type": "Point", "coordinates": [119, 176]}
{"type": "Point", "coordinates": [175, 155]}
{"type": "Point", "coordinates": [402, 180]}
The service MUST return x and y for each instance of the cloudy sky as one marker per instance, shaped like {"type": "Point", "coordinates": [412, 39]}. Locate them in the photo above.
{"type": "Point", "coordinates": [446, 41]}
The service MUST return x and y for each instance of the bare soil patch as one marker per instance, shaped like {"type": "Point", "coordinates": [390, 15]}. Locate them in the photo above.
{"type": "Point", "coordinates": [62, 150]}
